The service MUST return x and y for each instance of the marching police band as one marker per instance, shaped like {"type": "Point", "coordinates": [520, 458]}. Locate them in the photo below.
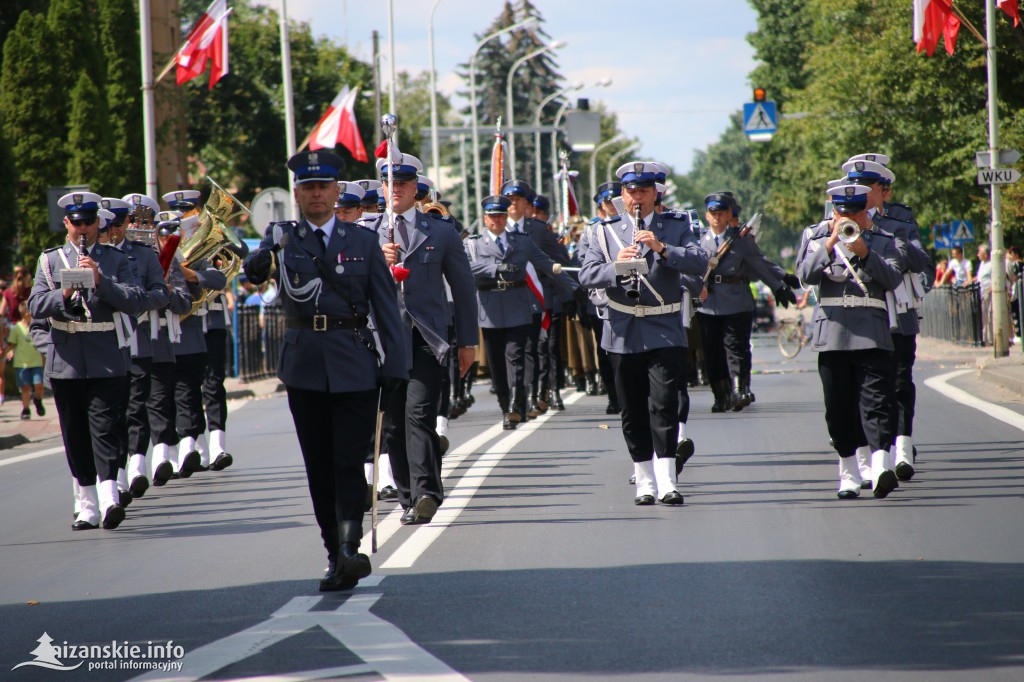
{"type": "Point", "coordinates": [386, 299]}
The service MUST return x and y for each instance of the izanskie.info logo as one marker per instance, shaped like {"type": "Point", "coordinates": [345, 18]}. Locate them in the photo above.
{"type": "Point", "coordinates": [113, 656]}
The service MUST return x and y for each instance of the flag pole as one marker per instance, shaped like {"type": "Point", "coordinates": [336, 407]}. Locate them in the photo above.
{"type": "Point", "coordinates": [148, 116]}
{"type": "Point", "coordinates": [289, 106]}
{"type": "Point", "coordinates": [1000, 340]}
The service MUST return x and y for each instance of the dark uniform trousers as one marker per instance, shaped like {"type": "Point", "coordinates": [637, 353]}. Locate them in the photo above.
{"type": "Point", "coordinates": [648, 388]}
{"type": "Point", "coordinates": [450, 379]}
{"type": "Point", "coordinates": [412, 441]}
{"type": "Point", "coordinates": [214, 396]}
{"type": "Point", "coordinates": [551, 356]}
{"type": "Point", "coordinates": [335, 430]}
{"type": "Point", "coordinates": [904, 353]}
{"type": "Point", "coordinates": [506, 353]}
{"type": "Point", "coordinates": [726, 341]}
{"type": "Point", "coordinates": [533, 362]}
{"type": "Point", "coordinates": [604, 364]}
{"type": "Point", "coordinates": [88, 425]}
{"type": "Point", "coordinates": [136, 414]}
{"type": "Point", "coordinates": [188, 395]}
{"type": "Point", "coordinates": [858, 398]}
{"type": "Point", "coordinates": [160, 406]}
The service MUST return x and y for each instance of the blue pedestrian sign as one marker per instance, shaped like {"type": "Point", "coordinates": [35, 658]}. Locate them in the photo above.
{"type": "Point", "coordinates": [759, 120]}
{"type": "Point", "coordinates": [954, 233]}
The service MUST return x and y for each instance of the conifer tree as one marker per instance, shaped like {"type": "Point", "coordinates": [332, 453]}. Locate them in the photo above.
{"type": "Point", "coordinates": [119, 37]}
{"type": "Point", "coordinates": [76, 43]}
{"type": "Point", "coordinates": [89, 147]}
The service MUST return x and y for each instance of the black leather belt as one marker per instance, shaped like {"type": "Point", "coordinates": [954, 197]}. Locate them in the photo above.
{"type": "Point", "coordinates": [322, 323]}
{"type": "Point", "coordinates": [729, 279]}
{"type": "Point", "coordinates": [500, 285]}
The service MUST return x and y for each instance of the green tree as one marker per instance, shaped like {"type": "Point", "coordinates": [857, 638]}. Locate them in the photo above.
{"type": "Point", "coordinates": [76, 45]}
{"type": "Point", "coordinates": [10, 10]}
{"type": "Point", "coordinates": [8, 203]}
{"type": "Point", "coordinates": [119, 38]}
{"type": "Point", "coordinates": [88, 156]}
{"type": "Point", "coordinates": [33, 126]}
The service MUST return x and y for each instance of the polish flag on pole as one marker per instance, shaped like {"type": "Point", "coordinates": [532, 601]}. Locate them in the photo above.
{"type": "Point", "coordinates": [533, 284]}
{"type": "Point", "coordinates": [338, 126]}
{"type": "Point", "coordinates": [1012, 9]}
{"type": "Point", "coordinates": [218, 49]}
{"type": "Point", "coordinates": [190, 58]}
{"type": "Point", "coordinates": [934, 19]}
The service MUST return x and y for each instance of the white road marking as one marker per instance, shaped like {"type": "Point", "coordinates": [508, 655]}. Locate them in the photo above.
{"type": "Point", "coordinates": [411, 550]}
{"type": "Point", "coordinates": [384, 648]}
{"type": "Point", "coordinates": [1005, 415]}
{"type": "Point", "coordinates": [233, 406]}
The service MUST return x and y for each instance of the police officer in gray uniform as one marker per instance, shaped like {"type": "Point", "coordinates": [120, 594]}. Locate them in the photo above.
{"type": "Point", "coordinates": [84, 361]}
{"type": "Point", "coordinates": [852, 334]}
{"type": "Point", "coordinates": [644, 333]}
{"type": "Point", "coordinates": [727, 305]}
{"type": "Point", "coordinates": [498, 260]}
{"type": "Point", "coordinates": [429, 249]}
{"type": "Point", "coordinates": [132, 419]}
{"type": "Point", "coordinates": [918, 274]}
{"type": "Point", "coordinates": [333, 278]}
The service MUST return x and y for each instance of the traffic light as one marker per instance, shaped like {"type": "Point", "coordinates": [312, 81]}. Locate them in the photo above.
{"type": "Point", "coordinates": [759, 95]}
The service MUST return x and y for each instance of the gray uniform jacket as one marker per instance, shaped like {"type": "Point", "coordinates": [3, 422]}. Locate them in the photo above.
{"type": "Point", "coordinates": [500, 308]}
{"type": "Point", "coordinates": [628, 333]}
{"type": "Point", "coordinates": [150, 278]}
{"type": "Point", "coordinates": [85, 354]}
{"type": "Point", "coordinates": [850, 328]}
{"type": "Point", "coordinates": [915, 260]}
{"type": "Point", "coordinates": [434, 256]}
{"type": "Point", "coordinates": [729, 286]}
{"type": "Point", "coordinates": [193, 339]}
{"type": "Point", "coordinates": [354, 279]}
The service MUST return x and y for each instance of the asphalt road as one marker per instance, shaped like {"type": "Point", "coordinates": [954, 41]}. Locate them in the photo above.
{"type": "Point", "coordinates": [539, 565]}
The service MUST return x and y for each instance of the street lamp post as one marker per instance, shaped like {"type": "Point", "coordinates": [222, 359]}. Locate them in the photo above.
{"type": "Point", "coordinates": [604, 83]}
{"type": "Point", "coordinates": [472, 100]}
{"type": "Point", "coordinates": [509, 110]}
{"type": "Point", "coordinates": [434, 144]}
{"type": "Point", "coordinates": [593, 160]}
{"type": "Point", "coordinates": [536, 133]}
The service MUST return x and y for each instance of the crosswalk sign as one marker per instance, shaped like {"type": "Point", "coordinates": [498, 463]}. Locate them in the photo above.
{"type": "Point", "coordinates": [759, 118]}
{"type": "Point", "coordinates": [961, 231]}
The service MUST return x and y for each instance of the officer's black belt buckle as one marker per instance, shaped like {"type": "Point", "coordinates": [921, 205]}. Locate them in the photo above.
{"type": "Point", "coordinates": [323, 323]}
{"type": "Point", "coordinates": [319, 323]}
{"type": "Point", "coordinates": [730, 279]}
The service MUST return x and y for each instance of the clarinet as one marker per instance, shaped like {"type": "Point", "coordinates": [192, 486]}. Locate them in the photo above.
{"type": "Point", "coordinates": [76, 306]}
{"type": "Point", "coordinates": [633, 289]}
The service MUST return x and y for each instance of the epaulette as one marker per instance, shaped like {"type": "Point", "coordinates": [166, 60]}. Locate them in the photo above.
{"type": "Point", "coordinates": [141, 245]}
{"type": "Point", "coordinates": [516, 234]}
{"type": "Point", "coordinates": [896, 203]}
{"type": "Point", "coordinates": [473, 236]}
{"type": "Point", "coordinates": [612, 219]}
{"type": "Point", "coordinates": [594, 220]}
{"type": "Point", "coordinates": [365, 226]}
{"type": "Point", "coordinates": [438, 216]}
{"type": "Point", "coordinates": [52, 249]}
{"type": "Point", "coordinates": [675, 215]}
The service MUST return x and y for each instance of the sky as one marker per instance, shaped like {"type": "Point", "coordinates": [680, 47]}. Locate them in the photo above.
{"type": "Point", "coordinates": [678, 68]}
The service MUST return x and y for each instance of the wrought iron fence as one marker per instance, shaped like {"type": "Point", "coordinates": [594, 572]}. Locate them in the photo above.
{"type": "Point", "coordinates": [953, 314]}
{"type": "Point", "coordinates": [259, 333]}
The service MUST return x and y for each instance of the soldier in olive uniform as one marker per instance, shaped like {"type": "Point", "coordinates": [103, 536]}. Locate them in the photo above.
{"type": "Point", "coordinates": [84, 361]}
{"type": "Point", "coordinates": [852, 335]}
{"type": "Point", "coordinates": [333, 278]}
{"type": "Point", "coordinates": [644, 334]}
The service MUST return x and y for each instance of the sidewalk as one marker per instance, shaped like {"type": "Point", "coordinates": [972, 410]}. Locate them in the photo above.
{"type": "Point", "coordinates": [1006, 372]}
{"type": "Point", "coordinates": [14, 431]}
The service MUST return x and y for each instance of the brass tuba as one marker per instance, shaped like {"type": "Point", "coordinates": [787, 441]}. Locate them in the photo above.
{"type": "Point", "coordinates": [213, 240]}
{"type": "Point", "coordinates": [435, 207]}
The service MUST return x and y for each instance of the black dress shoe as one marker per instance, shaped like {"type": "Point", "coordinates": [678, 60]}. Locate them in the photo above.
{"type": "Point", "coordinates": [887, 482]}
{"type": "Point", "coordinates": [643, 500]}
{"type": "Point", "coordinates": [445, 444]}
{"type": "Point", "coordinates": [388, 493]}
{"type": "Point", "coordinates": [124, 498]}
{"type": "Point", "coordinates": [557, 404]}
{"type": "Point", "coordinates": [672, 497]}
{"type": "Point", "coordinates": [847, 494]}
{"type": "Point", "coordinates": [83, 525]}
{"type": "Point", "coordinates": [613, 408]}
{"type": "Point", "coordinates": [162, 473]}
{"type": "Point", "coordinates": [222, 461]}
{"type": "Point", "coordinates": [533, 411]}
{"type": "Point", "coordinates": [138, 486]}
{"type": "Point", "coordinates": [335, 580]}
{"type": "Point", "coordinates": [190, 464]}
{"type": "Point", "coordinates": [114, 516]}
{"type": "Point", "coordinates": [420, 512]}
{"type": "Point", "coordinates": [684, 451]}
{"type": "Point", "coordinates": [904, 471]}
{"type": "Point", "coordinates": [865, 485]}
{"type": "Point", "coordinates": [507, 424]}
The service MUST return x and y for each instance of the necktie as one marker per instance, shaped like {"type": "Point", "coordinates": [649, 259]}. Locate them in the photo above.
{"type": "Point", "coordinates": [321, 237]}
{"type": "Point", "coordinates": [501, 245]}
{"type": "Point", "coordinates": [403, 232]}
{"type": "Point", "coordinates": [718, 241]}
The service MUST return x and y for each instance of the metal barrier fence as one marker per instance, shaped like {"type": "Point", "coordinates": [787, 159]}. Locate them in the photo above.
{"type": "Point", "coordinates": [259, 332]}
{"type": "Point", "coordinates": [953, 314]}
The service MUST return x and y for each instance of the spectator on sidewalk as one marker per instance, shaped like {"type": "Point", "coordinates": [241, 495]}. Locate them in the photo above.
{"type": "Point", "coordinates": [958, 272]}
{"type": "Point", "coordinates": [27, 361]}
{"type": "Point", "coordinates": [13, 296]}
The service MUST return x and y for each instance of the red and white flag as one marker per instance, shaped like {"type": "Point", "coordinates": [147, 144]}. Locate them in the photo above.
{"type": "Point", "coordinates": [1012, 9]}
{"type": "Point", "coordinates": [218, 48]}
{"type": "Point", "coordinates": [934, 19]}
{"type": "Point", "coordinates": [190, 59]}
{"type": "Point", "coordinates": [533, 284]}
{"type": "Point", "coordinates": [338, 126]}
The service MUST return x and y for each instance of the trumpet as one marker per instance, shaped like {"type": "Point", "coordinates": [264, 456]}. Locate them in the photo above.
{"type": "Point", "coordinates": [849, 231]}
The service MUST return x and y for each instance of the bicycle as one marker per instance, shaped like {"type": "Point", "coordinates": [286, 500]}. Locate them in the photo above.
{"type": "Point", "coordinates": [793, 336]}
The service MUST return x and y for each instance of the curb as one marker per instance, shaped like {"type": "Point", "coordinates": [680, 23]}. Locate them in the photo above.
{"type": "Point", "coordinates": [12, 441]}
{"type": "Point", "coordinates": [1005, 380]}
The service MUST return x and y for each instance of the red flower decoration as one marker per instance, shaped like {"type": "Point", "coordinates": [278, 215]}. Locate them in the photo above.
{"type": "Point", "coordinates": [382, 150]}
{"type": "Point", "coordinates": [399, 273]}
